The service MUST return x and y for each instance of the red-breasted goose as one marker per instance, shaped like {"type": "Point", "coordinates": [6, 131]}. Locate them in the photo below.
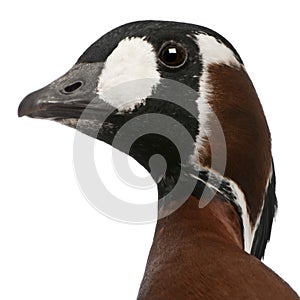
{"type": "Point", "coordinates": [210, 252]}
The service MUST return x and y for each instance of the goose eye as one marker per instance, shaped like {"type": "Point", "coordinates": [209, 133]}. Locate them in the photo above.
{"type": "Point", "coordinates": [173, 55]}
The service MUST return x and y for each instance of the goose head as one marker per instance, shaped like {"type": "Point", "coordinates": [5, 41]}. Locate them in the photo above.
{"type": "Point", "coordinates": [184, 91]}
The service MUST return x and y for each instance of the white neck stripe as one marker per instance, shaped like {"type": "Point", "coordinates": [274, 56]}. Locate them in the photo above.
{"type": "Point", "coordinates": [213, 51]}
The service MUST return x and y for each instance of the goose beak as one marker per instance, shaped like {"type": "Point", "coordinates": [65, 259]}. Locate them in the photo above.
{"type": "Point", "coordinates": [66, 97]}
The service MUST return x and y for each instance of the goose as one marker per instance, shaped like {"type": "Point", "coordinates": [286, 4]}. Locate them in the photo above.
{"type": "Point", "coordinates": [216, 194]}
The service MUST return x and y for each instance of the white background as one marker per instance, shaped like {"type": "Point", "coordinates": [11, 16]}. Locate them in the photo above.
{"type": "Point", "coordinates": [54, 245]}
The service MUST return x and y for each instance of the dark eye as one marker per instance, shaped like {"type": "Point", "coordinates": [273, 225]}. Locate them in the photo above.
{"type": "Point", "coordinates": [172, 55]}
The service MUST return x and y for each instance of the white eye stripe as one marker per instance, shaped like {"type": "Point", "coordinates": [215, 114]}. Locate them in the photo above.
{"type": "Point", "coordinates": [130, 73]}
{"type": "Point", "coordinates": [215, 52]}
{"type": "Point", "coordinates": [212, 52]}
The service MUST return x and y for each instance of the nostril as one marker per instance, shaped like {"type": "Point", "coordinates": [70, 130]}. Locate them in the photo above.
{"type": "Point", "coordinates": [73, 87]}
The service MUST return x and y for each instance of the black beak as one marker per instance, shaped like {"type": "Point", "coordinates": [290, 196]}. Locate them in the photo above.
{"type": "Point", "coordinates": [66, 97]}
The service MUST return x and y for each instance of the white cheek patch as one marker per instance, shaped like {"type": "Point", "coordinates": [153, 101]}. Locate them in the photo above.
{"type": "Point", "coordinates": [129, 75]}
